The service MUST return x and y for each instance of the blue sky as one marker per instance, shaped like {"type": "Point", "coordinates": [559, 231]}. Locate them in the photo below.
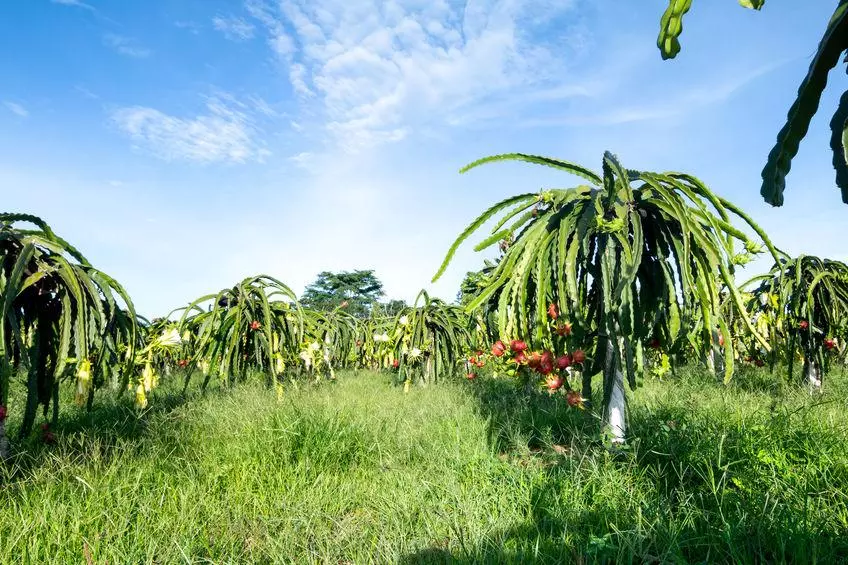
{"type": "Point", "coordinates": [186, 144]}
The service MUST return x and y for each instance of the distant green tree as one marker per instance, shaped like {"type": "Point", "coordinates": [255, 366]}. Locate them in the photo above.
{"type": "Point", "coordinates": [393, 307]}
{"type": "Point", "coordinates": [469, 287]}
{"type": "Point", "coordinates": [356, 291]}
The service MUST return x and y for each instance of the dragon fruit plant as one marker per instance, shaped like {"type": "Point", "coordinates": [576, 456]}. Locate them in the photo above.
{"type": "Point", "coordinates": [59, 318]}
{"type": "Point", "coordinates": [628, 255]}
{"type": "Point", "coordinates": [802, 302]}
{"type": "Point", "coordinates": [255, 326]}
{"type": "Point", "coordinates": [431, 337]}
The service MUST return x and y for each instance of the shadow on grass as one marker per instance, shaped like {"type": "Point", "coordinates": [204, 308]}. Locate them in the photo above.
{"type": "Point", "coordinates": [696, 484]}
{"type": "Point", "coordinates": [520, 419]}
{"type": "Point", "coordinates": [529, 544]}
{"type": "Point", "coordinates": [111, 422]}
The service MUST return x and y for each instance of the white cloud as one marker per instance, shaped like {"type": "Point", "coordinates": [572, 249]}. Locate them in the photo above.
{"type": "Point", "coordinates": [379, 70]}
{"type": "Point", "coordinates": [16, 108]}
{"type": "Point", "coordinates": [125, 46]}
{"type": "Point", "coordinates": [75, 3]}
{"type": "Point", "coordinates": [235, 29]}
{"type": "Point", "coordinates": [226, 133]}
{"type": "Point", "coordinates": [676, 102]}
{"type": "Point", "coordinates": [298, 78]}
{"type": "Point", "coordinates": [307, 161]}
{"type": "Point", "coordinates": [188, 25]}
{"type": "Point", "coordinates": [86, 92]}
{"type": "Point", "coordinates": [263, 107]}
{"type": "Point", "coordinates": [282, 44]}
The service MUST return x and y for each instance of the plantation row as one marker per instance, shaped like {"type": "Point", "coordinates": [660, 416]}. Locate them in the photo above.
{"type": "Point", "coordinates": [632, 273]}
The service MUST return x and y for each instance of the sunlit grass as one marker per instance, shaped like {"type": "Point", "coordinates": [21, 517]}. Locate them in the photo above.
{"type": "Point", "coordinates": [356, 471]}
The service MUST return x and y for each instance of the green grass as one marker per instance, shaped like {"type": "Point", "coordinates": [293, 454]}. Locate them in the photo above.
{"type": "Point", "coordinates": [356, 471]}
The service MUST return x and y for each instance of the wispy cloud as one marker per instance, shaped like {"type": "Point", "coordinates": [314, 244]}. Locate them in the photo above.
{"type": "Point", "coordinates": [263, 107]}
{"type": "Point", "coordinates": [16, 108]}
{"type": "Point", "coordinates": [192, 27]}
{"type": "Point", "coordinates": [674, 105]}
{"type": "Point", "coordinates": [225, 133]}
{"type": "Point", "coordinates": [75, 3]}
{"type": "Point", "coordinates": [126, 46]}
{"type": "Point", "coordinates": [306, 161]}
{"type": "Point", "coordinates": [86, 92]}
{"type": "Point", "coordinates": [235, 29]}
{"type": "Point", "coordinates": [376, 69]}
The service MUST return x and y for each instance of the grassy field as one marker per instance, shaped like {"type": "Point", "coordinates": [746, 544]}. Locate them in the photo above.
{"type": "Point", "coordinates": [356, 471]}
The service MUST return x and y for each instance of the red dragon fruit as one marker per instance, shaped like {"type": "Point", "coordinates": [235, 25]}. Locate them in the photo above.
{"type": "Point", "coordinates": [563, 362]}
{"type": "Point", "coordinates": [518, 346]}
